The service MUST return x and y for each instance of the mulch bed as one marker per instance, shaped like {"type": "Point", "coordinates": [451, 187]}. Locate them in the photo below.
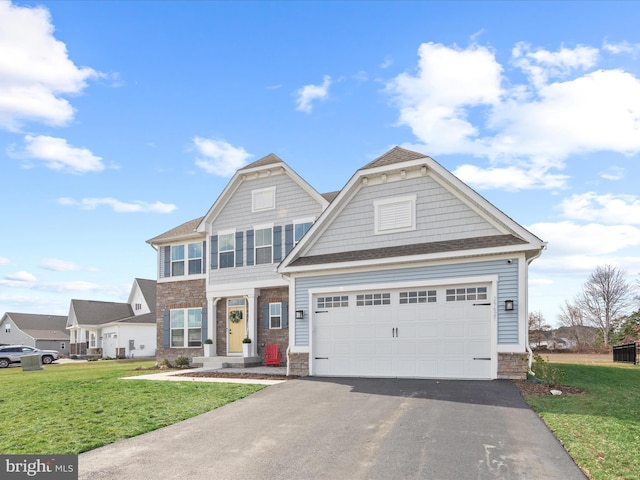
{"type": "Point", "coordinates": [533, 388]}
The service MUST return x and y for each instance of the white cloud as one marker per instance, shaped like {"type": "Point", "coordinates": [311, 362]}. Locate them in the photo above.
{"type": "Point", "coordinates": [606, 208]}
{"type": "Point", "coordinates": [613, 173]}
{"type": "Point", "coordinates": [57, 154]}
{"type": "Point", "coordinates": [593, 239]}
{"type": "Point", "coordinates": [310, 93]}
{"type": "Point", "coordinates": [58, 265]}
{"type": "Point", "coordinates": [4, 261]}
{"type": "Point", "coordinates": [632, 49]}
{"type": "Point", "coordinates": [118, 206]}
{"type": "Point", "coordinates": [219, 157]}
{"type": "Point", "coordinates": [35, 70]}
{"type": "Point", "coordinates": [21, 276]}
{"type": "Point", "coordinates": [73, 286]}
{"type": "Point", "coordinates": [459, 102]}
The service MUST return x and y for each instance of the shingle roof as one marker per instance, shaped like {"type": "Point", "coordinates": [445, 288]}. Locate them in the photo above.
{"type": "Point", "coordinates": [177, 232]}
{"type": "Point", "coordinates": [148, 288]}
{"type": "Point", "coordinates": [268, 160]}
{"type": "Point", "coordinates": [93, 312]}
{"type": "Point", "coordinates": [395, 155]}
{"type": "Point", "coordinates": [41, 327]}
{"type": "Point", "coordinates": [330, 196]}
{"type": "Point", "coordinates": [409, 250]}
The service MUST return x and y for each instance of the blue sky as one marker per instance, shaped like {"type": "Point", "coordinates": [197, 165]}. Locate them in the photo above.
{"type": "Point", "coordinates": [121, 120]}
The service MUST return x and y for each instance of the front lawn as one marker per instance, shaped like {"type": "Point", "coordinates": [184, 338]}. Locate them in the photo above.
{"type": "Point", "coordinates": [72, 408]}
{"type": "Point", "coordinates": [600, 430]}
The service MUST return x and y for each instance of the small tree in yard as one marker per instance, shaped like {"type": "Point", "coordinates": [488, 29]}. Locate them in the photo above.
{"type": "Point", "coordinates": [572, 318]}
{"type": "Point", "coordinates": [538, 328]}
{"type": "Point", "coordinates": [605, 299]}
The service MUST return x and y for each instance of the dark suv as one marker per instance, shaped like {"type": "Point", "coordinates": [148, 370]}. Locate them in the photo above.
{"type": "Point", "coordinates": [11, 354]}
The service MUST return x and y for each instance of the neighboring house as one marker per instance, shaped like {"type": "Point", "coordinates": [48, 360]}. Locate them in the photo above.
{"type": "Point", "coordinates": [408, 272]}
{"type": "Point", "coordinates": [561, 343]}
{"type": "Point", "coordinates": [113, 329]}
{"type": "Point", "coordinates": [217, 274]}
{"type": "Point", "coordinates": [46, 332]}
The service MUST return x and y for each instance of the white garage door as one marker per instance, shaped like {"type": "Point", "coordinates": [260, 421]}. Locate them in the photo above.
{"type": "Point", "coordinates": [430, 332]}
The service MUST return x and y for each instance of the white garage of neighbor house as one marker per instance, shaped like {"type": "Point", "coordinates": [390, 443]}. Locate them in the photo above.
{"type": "Point", "coordinates": [410, 273]}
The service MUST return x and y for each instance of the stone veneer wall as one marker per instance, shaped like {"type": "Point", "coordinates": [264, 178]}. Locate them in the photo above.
{"type": "Point", "coordinates": [179, 294]}
{"type": "Point", "coordinates": [299, 364]}
{"type": "Point", "coordinates": [513, 366]}
{"type": "Point", "coordinates": [279, 336]}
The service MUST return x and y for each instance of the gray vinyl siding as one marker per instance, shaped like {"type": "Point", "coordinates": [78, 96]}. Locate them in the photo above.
{"type": "Point", "coordinates": [507, 289]}
{"type": "Point", "coordinates": [440, 216]}
{"type": "Point", "coordinates": [292, 203]}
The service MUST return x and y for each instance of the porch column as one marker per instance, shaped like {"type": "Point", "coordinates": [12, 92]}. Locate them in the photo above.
{"type": "Point", "coordinates": [212, 316]}
{"type": "Point", "coordinates": [252, 322]}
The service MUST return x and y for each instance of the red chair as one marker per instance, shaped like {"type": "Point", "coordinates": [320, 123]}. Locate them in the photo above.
{"type": "Point", "coordinates": [272, 356]}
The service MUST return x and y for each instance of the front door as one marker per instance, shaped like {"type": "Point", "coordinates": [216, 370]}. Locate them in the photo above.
{"type": "Point", "coordinates": [236, 324]}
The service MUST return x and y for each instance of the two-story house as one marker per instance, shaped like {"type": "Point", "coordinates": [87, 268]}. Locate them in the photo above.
{"type": "Point", "coordinates": [217, 275]}
{"type": "Point", "coordinates": [406, 272]}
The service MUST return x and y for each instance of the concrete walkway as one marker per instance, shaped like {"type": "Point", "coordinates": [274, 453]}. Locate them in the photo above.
{"type": "Point", "coordinates": [177, 376]}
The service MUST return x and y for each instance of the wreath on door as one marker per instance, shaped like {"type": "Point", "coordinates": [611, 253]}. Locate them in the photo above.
{"type": "Point", "coordinates": [235, 316]}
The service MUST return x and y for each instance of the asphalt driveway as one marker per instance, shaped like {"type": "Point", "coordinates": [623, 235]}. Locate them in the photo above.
{"type": "Point", "coordinates": [349, 429]}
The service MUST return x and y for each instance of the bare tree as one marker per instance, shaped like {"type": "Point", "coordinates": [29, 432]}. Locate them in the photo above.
{"type": "Point", "coordinates": [605, 298]}
{"type": "Point", "coordinates": [572, 317]}
{"type": "Point", "coordinates": [537, 327]}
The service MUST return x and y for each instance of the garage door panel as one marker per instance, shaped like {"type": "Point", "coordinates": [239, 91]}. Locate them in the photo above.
{"type": "Point", "coordinates": [428, 339]}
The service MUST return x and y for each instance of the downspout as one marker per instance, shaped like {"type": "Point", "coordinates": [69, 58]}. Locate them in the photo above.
{"type": "Point", "coordinates": [529, 351]}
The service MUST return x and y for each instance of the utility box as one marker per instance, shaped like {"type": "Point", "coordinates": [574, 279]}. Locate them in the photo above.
{"type": "Point", "coordinates": [31, 363]}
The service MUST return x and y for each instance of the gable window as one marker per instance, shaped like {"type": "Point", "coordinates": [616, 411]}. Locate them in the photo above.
{"type": "Point", "coordinates": [177, 260]}
{"type": "Point", "coordinates": [7, 327]}
{"type": "Point", "coordinates": [226, 250]}
{"type": "Point", "coordinates": [138, 306]}
{"type": "Point", "coordinates": [275, 315]}
{"type": "Point", "coordinates": [263, 199]}
{"type": "Point", "coordinates": [299, 229]}
{"type": "Point", "coordinates": [264, 246]}
{"type": "Point", "coordinates": [186, 327]}
{"type": "Point", "coordinates": [394, 215]}
{"type": "Point", "coordinates": [194, 251]}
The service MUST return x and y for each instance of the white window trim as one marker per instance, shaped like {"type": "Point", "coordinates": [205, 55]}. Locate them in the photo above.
{"type": "Point", "coordinates": [379, 229]}
{"type": "Point", "coordinates": [271, 327]}
{"type": "Point", "coordinates": [255, 193]}
{"type": "Point", "coordinates": [300, 221]}
{"type": "Point", "coordinates": [185, 328]}
{"type": "Point", "coordinates": [233, 235]}
{"type": "Point", "coordinates": [255, 243]}
{"type": "Point", "coordinates": [188, 259]}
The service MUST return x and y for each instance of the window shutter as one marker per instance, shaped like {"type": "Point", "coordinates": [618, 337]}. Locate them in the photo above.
{"type": "Point", "coordinates": [277, 244]}
{"type": "Point", "coordinates": [166, 328]}
{"type": "Point", "coordinates": [239, 249]}
{"type": "Point", "coordinates": [285, 315]}
{"type": "Point", "coordinates": [214, 252]}
{"type": "Point", "coordinates": [249, 247]}
{"type": "Point", "coordinates": [288, 238]}
{"type": "Point", "coordinates": [167, 261]}
{"type": "Point", "coordinates": [205, 325]}
{"type": "Point", "coordinates": [204, 256]}
{"type": "Point", "coordinates": [265, 315]}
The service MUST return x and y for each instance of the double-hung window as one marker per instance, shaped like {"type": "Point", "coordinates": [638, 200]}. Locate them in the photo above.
{"type": "Point", "coordinates": [299, 229]}
{"type": "Point", "coordinates": [177, 260]}
{"type": "Point", "coordinates": [264, 245]}
{"type": "Point", "coordinates": [226, 250]}
{"type": "Point", "coordinates": [186, 327]}
{"type": "Point", "coordinates": [195, 258]}
{"type": "Point", "coordinates": [275, 315]}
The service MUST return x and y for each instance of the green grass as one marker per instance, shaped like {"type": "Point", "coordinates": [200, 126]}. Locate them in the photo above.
{"type": "Point", "coordinates": [72, 408]}
{"type": "Point", "coordinates": [600, 430]}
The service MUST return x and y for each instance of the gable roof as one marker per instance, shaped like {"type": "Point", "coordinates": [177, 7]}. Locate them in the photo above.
{"type": "Point", "coordinates": [265, 164]}
{"type": "Point", "coordinates": [94, 312]}
{"type": "Point", "coordinates": [513, 237]}
{"type": "Point", "coordinates": [186, 230]}
{"type": "Point", "coordinates": [148, 289]}
{"type": "Point", "coordinates": [40, 327]}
